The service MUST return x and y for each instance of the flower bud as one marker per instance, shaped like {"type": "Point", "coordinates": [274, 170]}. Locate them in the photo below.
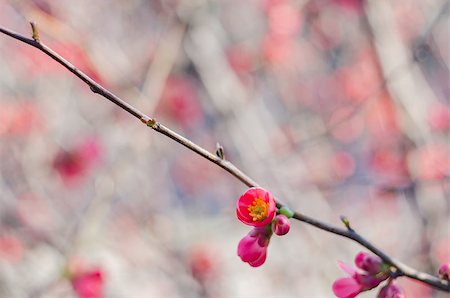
{"type": "Point", "coordinates": [281, 225]}
{"type": "Point", "coordinates": [368, 262]}
{"type": "Point", "coordinates": [252, 248]}
{"type": "Point", "coordinates": [391, 290]}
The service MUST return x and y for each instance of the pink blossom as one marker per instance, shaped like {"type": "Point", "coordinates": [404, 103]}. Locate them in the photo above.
{"type": "Point", "coordinates": [88, 284]}
{"type": "Point", "coordinates": [74, 163]}
{"type": "Point", "coordinates": [281, 225]}
{"type": "Point", "coordinates": [350, 287]}
{"type": "Point", "coordinates": [342, 164]}
{"type": "Point", "coordinates": [252, 248]}
{"type": "Point", "coordinates": [391, 290]}
{"type": "Point", "coordinates": [180, 101]}
{"type": "Point", "coordinates": [202, 263]}
{"type": "Point", "coordinates": [11, 248]}
{"type": "Point", "coordinates": [444, 271]}
{"type": "Point", "coordinates": [20, 118]}
{"type": "Point", "coordinates": [439, 117]}
{"type": "Point", "coordinates": [256, 207]}
{"type": "Point", "coordinates": [431, 162]}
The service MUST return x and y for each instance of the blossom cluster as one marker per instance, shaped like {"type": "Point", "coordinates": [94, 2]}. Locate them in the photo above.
{"type": "Point", "coordinates": [257, 208]}
{"type": "Point", "coordinates": [370, 272]}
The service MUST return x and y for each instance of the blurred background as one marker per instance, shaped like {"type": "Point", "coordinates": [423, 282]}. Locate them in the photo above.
{"type": "Point", "coordinates": [338, 107]}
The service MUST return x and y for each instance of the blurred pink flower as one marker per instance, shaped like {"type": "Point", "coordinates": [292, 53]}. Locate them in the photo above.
{"type": "Point", "coordinates": [202, 263]}
{"type": "Point", "coordinates": [342, 164]}
{"type": "Point", "coordinates": [439, 117]}
{"type": "Point", "coordinates": [444, 271]}
{"type": "Point", "coordinates": [349, 287]}
{"type": "Point", "coordinates": [278, 50]}
{"type": "Point", "coordinates": [345, 125]}
{"type": "Point", "coordinates": [391, 290]}
{"type": "Point", "coordinates": [284, 19]}
{"type": "Point", "coordinates": [354, 5]}
{"type": "Point", "coordinates": [87, 283]}
{"type": "Point", "coordinates": [240, 59]}
{"type": "Point", "coordinates": [20, 118]}
{"type": "Point", "coordinates": [252, 248]}
{"type": "Point", "coordinates": [431, 162]}
{"type": "Point", "coordinates": [388, 163]}
{"type": "Point", "coordinates": [75, 163]}
{"type": "Point", "coordinates": [281, 225]}
{"type": "Point", "coordinates": [38, 64]}
{"type": "Point", "coordinates": [382, 121]}
{"type": "Point", "coordinates": [180, 102]}
{"type": "Point", "coordinates": [11, 248]}
{"type": "Point", "coordinates": [256, 207]}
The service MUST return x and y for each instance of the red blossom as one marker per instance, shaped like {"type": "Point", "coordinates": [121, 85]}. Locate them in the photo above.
{"type": "Point", "coordinates": [256, 207]}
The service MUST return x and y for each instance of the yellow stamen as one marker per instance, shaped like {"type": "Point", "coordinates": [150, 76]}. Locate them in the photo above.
{"type": "Point", "coordinates": [258, 209]}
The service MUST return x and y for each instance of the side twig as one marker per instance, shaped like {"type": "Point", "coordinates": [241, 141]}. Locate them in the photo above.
{"type": "Point", "coordinates": [401, 269]}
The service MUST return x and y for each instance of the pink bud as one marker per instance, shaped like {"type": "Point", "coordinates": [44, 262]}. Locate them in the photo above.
{"type": "Point", "coordinates": [252, 248]}
{"type": "Point", "coordinates": [444, 271]}
{"type": "Point", "coordinates": [392, 290]}
{"type": "Point", "coordinates": [368, 262]}
{"type": "Point", "coordinates": [281, 225]}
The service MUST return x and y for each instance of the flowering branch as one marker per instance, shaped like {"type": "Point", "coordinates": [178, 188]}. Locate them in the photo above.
{"type": "Point", "coordinates": [400, 269]}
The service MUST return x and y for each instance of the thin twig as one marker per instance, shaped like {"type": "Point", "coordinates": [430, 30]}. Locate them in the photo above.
{"type": "Point", "coordinates": [402, 269]}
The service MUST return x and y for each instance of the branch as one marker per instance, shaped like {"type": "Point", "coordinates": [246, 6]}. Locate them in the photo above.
{"type": "Point", "coordinates": [401, 269]}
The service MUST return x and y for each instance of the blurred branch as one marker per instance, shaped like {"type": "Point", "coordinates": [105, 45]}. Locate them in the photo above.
{"type": "Point", "coordinates": [411, 91]}
{"type": "Point", "coordinates": [401, 269]}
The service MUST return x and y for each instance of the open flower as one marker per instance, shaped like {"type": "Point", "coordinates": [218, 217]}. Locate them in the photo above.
{"type": "Point", "coordinates": [252, 248]}
{"type": "Point", "coordinates": [256, 207]}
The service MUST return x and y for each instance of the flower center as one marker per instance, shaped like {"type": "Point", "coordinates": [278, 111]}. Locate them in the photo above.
{"type": "Point", "coordinates": [258, 209]}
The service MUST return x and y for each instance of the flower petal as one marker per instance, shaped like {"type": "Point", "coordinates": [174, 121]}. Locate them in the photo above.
{"type": "Point", "coordinates": [346, 288]}
{"type": "Point", "coordinates": [347, 268]}
{"type": "Point", "coordinates": [258, 262]}
{"type": "Point", "coordinates": [248, 249]}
